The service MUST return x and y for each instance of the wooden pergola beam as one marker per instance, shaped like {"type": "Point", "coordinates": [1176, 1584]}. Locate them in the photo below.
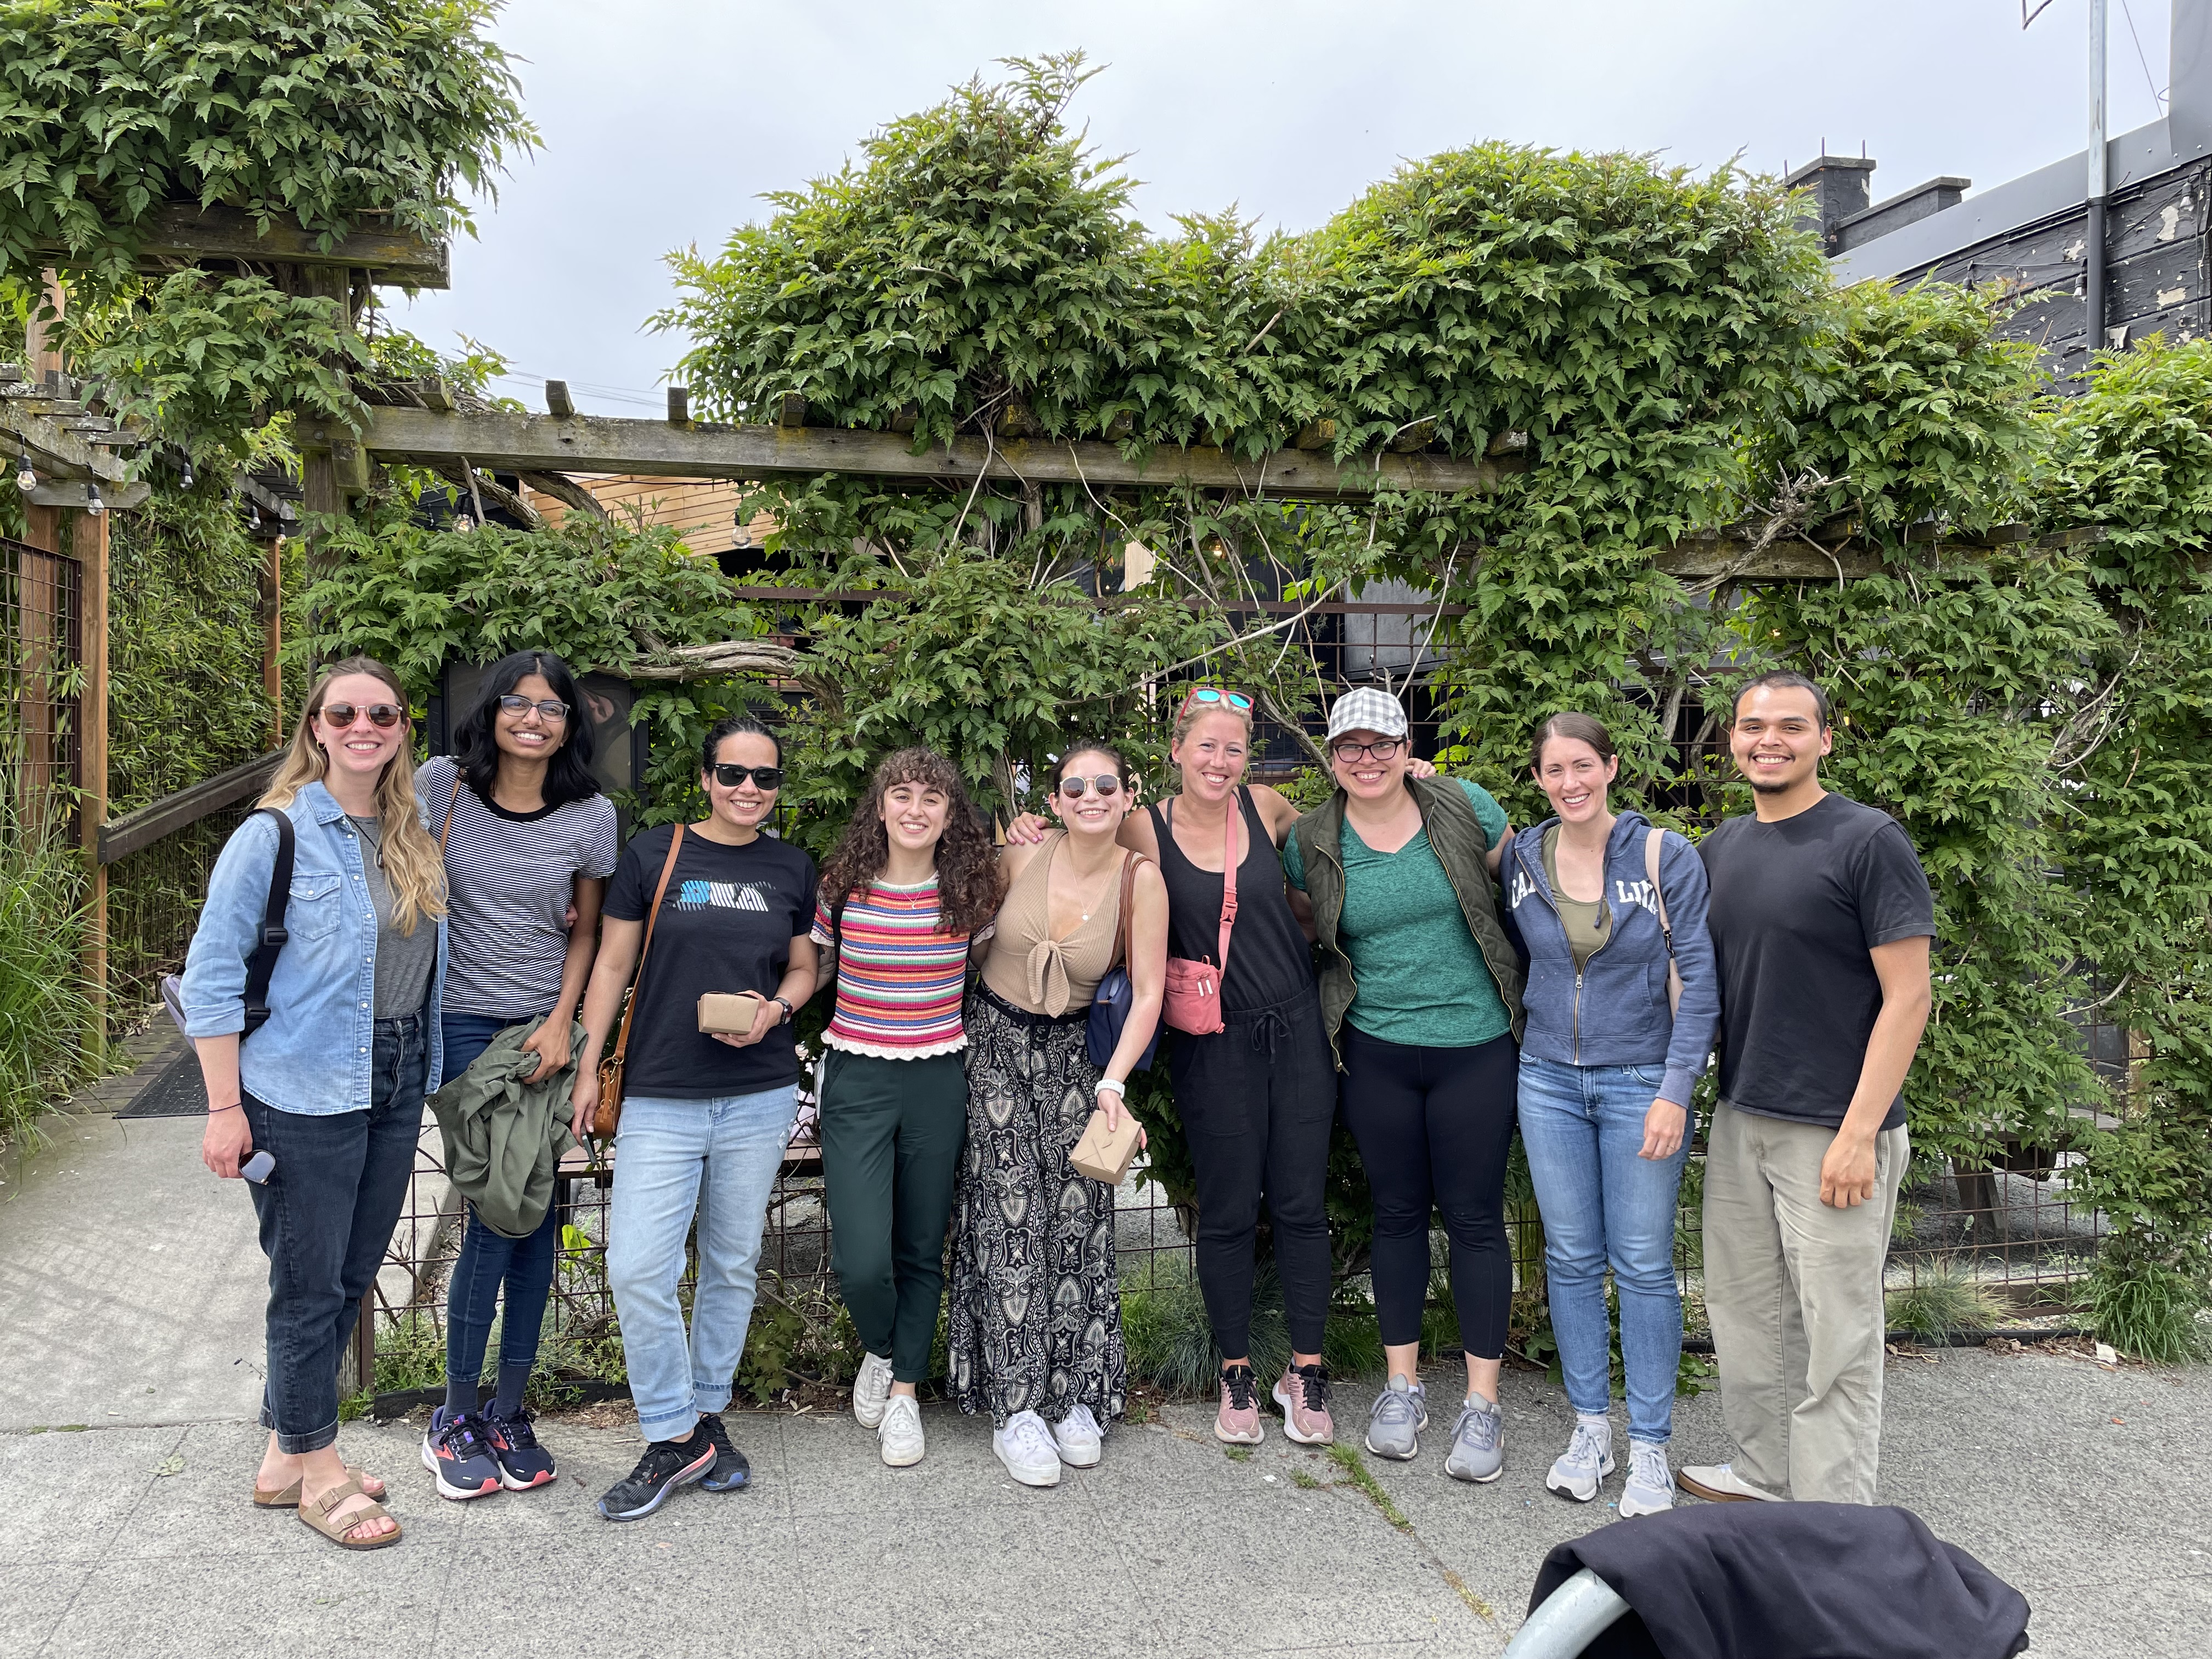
{"type": "Point", "coordinates": [185, 233]}
{"type": "Point", "coordinates": [592, 443]}
{"type": "Point", "coordinates": [54, 450]}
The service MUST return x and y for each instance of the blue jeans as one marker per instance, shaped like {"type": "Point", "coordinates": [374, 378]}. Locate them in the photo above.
{"type": "Point", "coordinates": [523, 1265]}
{"type": "Point", "coordinates": [326, 1213]}
{"type": "Point", "coordinates": [676, 1159]}
{"type": "Point", "coordinates": [1584, 1127]}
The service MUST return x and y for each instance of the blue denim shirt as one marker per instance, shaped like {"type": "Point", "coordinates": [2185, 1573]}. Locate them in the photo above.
{"type": "Point", "coordinates": [313, 1056]}
{"type": "Point", "coordinates": [1617, 1014]}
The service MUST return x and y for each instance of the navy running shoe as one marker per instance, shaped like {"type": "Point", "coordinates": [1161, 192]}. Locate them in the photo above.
{"type": "Point", "coordinates": [523, 1463]}
{"type": "Point", "coordinates": [731, 1469]}
{"type": "Point", "coordinates": [456, 1450]}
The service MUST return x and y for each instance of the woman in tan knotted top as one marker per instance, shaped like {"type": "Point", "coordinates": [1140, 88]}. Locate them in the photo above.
{"type": "Point", "coordinates": [1035, 1334]}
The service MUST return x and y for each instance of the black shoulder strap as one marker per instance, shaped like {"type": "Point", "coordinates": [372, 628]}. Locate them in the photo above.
{"type": "Point", "coordinates": [269, 936]}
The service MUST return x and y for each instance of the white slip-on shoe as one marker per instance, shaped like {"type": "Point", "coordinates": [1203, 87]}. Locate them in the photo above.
{"type": "Point", "coordinates": [1078, 1438]}
{"type": "Point", "coordinates": [870, 1389]}
{"type": "Point", "coordinates": [1718, 1483]}
{"type": "Point", "coordinates": [899, 1437]}
{"type": "Point", "coordinates": [1025, 1447]}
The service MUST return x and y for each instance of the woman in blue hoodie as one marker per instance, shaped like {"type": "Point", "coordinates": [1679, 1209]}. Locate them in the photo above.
{"type": "Point", "coordinates": [1606, 1071]}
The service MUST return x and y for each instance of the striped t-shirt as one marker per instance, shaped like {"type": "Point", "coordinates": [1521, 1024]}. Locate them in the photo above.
{"type": "Point", "coordinates": [509, 876]}
{"type": "Point", "coordinates": [899, 980]}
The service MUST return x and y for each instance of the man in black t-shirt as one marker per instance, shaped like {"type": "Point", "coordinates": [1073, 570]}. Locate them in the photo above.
{"type": "Point", "coordinates": [1821, 920]}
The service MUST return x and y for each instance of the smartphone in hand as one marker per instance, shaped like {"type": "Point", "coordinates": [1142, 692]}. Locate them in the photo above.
{"type": "Point", "coordinates": [259, 1167]}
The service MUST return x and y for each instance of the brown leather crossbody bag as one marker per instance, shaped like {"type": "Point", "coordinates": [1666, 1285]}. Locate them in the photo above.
{"type": "Point", "coordinates": [606, 1116]}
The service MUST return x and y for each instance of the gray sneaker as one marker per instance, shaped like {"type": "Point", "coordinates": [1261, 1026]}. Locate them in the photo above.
{"type": "Point", "coordinates": [1478, 1450]}
{"type": "Point", "coordinates": [1395, 1422]}
{"type": "Point", "coordinates": [1579, 1471]}
{"type": "Point", "coordinates": [1651, 1487]}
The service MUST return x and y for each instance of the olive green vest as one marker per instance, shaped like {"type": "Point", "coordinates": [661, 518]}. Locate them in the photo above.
{"type": "Point", "coordinates": [1456, 837]}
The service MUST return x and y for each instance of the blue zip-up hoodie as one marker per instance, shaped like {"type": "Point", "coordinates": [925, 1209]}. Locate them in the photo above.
{"type": "Point", "coordinates": [1615, 1012]}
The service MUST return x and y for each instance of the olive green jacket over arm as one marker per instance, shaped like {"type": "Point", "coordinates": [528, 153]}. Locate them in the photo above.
{"type": "Point", "coordinates": [504, 1138]}
{"type": "Point", "coordinates": [1461, 845]}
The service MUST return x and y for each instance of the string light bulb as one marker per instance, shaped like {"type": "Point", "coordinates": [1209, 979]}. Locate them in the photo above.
{"type": "Point", "coordinates": [184, 472]}
{"type": "Point", "coordinates": [92, 504]}
{"type": "Point", "coordinates": [26, 480]}
{"type": "Point", "coordinates": [462, 524]}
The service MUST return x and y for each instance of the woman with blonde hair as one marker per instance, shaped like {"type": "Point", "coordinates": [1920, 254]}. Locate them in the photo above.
{"type": "Point", "coordinates": [315, 1094]}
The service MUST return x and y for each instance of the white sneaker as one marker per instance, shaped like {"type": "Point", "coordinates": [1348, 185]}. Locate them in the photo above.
{"type": "Point", "coordinates": [1650, 1488]}
{"type": "Point", "coordinates": [1579, 1472]}
{"type": "Point", "coordinates": [1025, 1447]}
{"type": "Point", "coordinates": [900, 1437]}
{"type": "Point", "coordinates": [871, 1389]}
{"type": "Point", "coordinates": [1077, 1436]}
{"type": "Point", "coordinates": [1718, 1483]}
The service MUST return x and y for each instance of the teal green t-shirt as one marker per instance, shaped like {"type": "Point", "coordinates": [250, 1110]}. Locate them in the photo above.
{"type": "Point", "coordinates": [1421, 976]}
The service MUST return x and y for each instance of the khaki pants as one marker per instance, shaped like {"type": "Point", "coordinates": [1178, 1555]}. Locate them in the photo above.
{"type": "Point", "coordinates": [1794, 1290]}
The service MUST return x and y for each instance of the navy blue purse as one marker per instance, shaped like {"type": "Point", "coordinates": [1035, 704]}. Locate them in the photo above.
{"type": "Point", "coordinates": [1117, 992]}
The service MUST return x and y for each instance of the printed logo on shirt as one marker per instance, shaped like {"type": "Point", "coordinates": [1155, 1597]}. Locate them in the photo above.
{"type": "Point", "coordinates": [721, 895]}
{"type": "Point", "coordinates": [1522, 887]}
{"type": "Point", "coordinates": [1636, 892]}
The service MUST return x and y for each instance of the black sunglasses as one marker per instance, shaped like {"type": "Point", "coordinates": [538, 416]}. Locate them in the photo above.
{"type": "Point", "coordinates": [729, 775]}
{"type": "Point", "coordinates": [384, 714]}
{"type": "Point", "coordinates": [552, 709]}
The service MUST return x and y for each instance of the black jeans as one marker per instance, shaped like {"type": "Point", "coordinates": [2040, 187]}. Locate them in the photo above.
{"type": "Point", "coordinates": [327, 1213]}
{"type": "Point", "coordinates": [1258, 1101]}
{"type": "Point", "coordinates": [1434, 1127]}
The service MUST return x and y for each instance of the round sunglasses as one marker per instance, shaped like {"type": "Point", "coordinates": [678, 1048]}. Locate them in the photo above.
{"type": "Point", "coordinates": [729, 775]}
{"type": "Point", "coordinates": [1073, 788]}
{"type": "Point", "coordinates": [382, 715]}
{"type": "Point", "coordinates": [1204, 695]}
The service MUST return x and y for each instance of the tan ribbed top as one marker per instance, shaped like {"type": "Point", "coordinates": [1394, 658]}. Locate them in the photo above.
{"type": "Point", "coordinates": [1029, 967]}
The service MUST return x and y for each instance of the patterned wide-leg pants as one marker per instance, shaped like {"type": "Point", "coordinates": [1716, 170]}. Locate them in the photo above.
{"type": "Point", "coordinates": [1036, 1317]}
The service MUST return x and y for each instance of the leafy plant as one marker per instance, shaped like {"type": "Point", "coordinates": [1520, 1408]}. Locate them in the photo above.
{"type": "Point", "coordinates": [1942, 1298]}
{"type": "Point", "coordinates": [45, 1015]}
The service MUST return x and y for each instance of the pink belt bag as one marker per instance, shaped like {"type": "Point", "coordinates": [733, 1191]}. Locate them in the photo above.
{"type": "Point", "coordinates": [1193, 1002]}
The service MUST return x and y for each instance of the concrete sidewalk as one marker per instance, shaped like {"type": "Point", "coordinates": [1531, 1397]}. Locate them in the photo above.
{"type": "Point", "coordinates": [130, 1298]}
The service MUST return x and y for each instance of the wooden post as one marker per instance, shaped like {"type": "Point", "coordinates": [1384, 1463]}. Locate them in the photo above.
{"type": "Point", "coordinates": [42, 338]}
{"type": "Point", "coordinates": [37, 615]}
{"type": "Point", "coordinates": [272, 639]}
{"type": "Point", "coordinates": [319, 482]}
{"type": "Point", "coordinates": [89, 539]}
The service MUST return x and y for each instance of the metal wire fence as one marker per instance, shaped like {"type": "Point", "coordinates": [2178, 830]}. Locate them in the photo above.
{"type": "Point", "coordinates": [41, 671]}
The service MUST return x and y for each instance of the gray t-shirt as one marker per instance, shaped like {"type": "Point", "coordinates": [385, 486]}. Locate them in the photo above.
{"type": "Point", "coordinates": [405, 962]}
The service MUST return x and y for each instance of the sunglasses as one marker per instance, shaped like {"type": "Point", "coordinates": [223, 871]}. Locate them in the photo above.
{"type": "Point", "coordinates": [552, 710]}
{"type": "Point", "coordinates": [1382, 749]}
{"type": "Point", "coordinates": [729, 775]}
{"type": "Point", "coordinates": [382, 715]}
{"type": "Point", "coordinates": [1107, 785]}
{"type": "Point", "coordinates": [1204, 695]}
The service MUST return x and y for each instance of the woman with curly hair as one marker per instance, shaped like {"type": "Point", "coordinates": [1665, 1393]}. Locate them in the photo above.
{"type": "Point", "coordinates": [912, 882]}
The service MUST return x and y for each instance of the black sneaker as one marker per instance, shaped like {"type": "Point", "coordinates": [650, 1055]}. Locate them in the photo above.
{"type": "Point", "coordinates": [731, 1470]}
{"type": "Point", "coordinates": [666, 1465]}
{"type": "Point", "coordinates": [523, 1463]}
{"type": "Point", "coordinates": [455, 1450]}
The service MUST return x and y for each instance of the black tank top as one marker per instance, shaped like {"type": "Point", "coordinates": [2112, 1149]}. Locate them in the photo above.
{"type": "Point", "coordinates": [1269, 960]}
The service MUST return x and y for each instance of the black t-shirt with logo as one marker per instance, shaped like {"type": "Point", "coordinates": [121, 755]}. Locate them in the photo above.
{"type": "Point", "coordinates": [1796, 908]}
{"type": "Point", "coordinates": [725, 924]}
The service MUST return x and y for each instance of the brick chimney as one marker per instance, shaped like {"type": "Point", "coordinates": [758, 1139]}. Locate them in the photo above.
{"type": "Point", "coordinates": [1841, 185]}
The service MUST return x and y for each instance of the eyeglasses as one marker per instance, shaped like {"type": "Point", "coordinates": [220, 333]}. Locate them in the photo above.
{"type": "Point", "coordinates": [382, 715]}
{"type": "Point", "coordinates": [1205, 695]}
{"type": "Point", "coordinates": [1074, 789]}
{"type": "Point", "coordinates": [554, 711]}
{"type": "Point", "coordinates": [1382, 749]}
{"type": "Point", "coordinates": [730, 775]}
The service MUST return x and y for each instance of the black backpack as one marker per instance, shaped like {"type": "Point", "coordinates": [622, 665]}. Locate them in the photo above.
{"type": "Point", "coordinates": [269, 938]}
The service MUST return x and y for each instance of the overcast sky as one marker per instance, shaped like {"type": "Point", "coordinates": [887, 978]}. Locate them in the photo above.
{"type": "Point", "coordinates": [664, 120]}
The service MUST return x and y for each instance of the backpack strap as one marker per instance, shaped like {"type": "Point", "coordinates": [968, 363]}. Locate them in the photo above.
{"type": "Point", "coordinates": [269, 939]}
{"type": "Point", "coordinates": [1652, 840]}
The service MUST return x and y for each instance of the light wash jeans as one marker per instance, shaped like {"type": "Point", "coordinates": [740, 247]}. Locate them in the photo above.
{"type": "Point", "coordinates": [716, 1159]}
{"type": "Point", "coordinates": [1584, 1127]}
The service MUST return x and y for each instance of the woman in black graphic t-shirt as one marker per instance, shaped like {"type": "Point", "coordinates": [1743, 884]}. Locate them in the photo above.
{"type": "Point", "coordinates": [705, 1118]}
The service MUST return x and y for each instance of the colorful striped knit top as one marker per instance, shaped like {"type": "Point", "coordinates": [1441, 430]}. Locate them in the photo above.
{"type": "Point", "coordinates": [899, 980]}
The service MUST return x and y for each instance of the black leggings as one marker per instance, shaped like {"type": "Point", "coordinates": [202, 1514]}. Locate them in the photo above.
{"type": "Point", "coordinates": [1434, 1127]}
{"type": "Point", "coordinates": [1258, 1100]}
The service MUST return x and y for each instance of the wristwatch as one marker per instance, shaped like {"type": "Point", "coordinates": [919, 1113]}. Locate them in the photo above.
{"type": "Point", "coordinates": [789, 1013]}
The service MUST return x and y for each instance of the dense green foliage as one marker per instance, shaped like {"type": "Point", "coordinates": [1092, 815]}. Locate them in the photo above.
{"type": "Point", "coordinates": [336, 114]}
{"type": "Point", "coordinates": [44, 1012]}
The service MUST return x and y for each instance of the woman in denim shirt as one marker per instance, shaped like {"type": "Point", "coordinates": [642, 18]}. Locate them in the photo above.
{"type": "Point", "coordinates": [331, 1086]}
{"type": "Point", "coordinates": [1606, 1069]}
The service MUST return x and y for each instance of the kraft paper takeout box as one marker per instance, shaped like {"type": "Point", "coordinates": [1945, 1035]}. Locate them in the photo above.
{"type": "Point", "coordinates": [1104, 1154]}
{"type": "Point", "coordinates": [734, 1012]}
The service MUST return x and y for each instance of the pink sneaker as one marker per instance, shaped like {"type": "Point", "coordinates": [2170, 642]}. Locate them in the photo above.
{"type": "Point", "coordinates": [1238, 1421]}
{"type": "Point", "coordinates": [1303, 1394]}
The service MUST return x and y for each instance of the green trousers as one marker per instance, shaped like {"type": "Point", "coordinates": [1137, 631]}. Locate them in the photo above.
{"type": "Point", "coordinates": [891, 1131]}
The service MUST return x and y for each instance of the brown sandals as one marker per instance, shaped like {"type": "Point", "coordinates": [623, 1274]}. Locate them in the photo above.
{"type": "Point", "coordinates": [287, 1497]}
{"type": "Point", "coordinates": [317, 1514]}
